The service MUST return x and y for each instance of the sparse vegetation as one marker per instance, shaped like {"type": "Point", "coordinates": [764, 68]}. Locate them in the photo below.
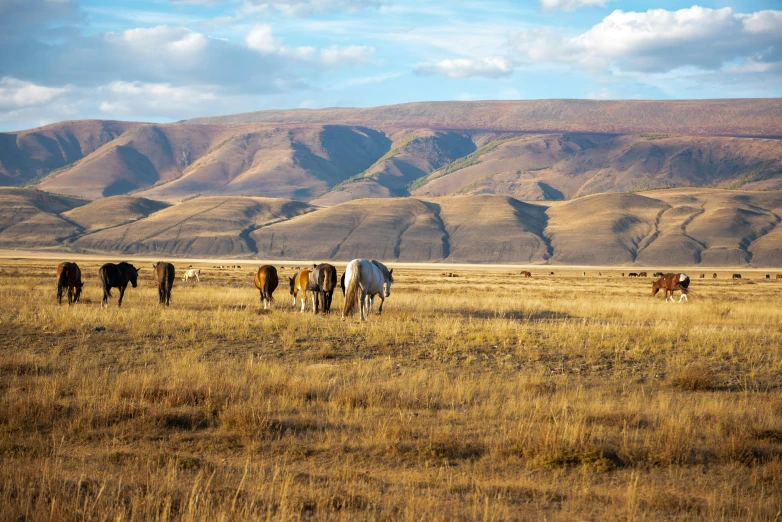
{"type": "Point", "coordinates": [479, 397]}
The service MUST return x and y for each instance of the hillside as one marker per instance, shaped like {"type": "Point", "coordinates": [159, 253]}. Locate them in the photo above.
{"type": "Point", "coordinates": [737, 117]}
{"type": "Point", "coordinates": [665, 228]}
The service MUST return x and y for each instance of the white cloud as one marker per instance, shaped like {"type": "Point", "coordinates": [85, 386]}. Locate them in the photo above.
{"type": "Point", "coordinates": [569, 5]}
{"type": "Point", "coordinates": [260, 39]}
{"type": "Point", "coordinates": [16, 93]}
{"type": "Point", "coordinates": [491, 67]}
{"type": "Point", "coordinates": [658, 40]}
{"type": "Point", "coordinates": [297, 8]}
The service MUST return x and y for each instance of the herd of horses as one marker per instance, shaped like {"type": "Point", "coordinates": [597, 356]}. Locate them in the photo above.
{"type": "Point", "coordinates": [361, 282]}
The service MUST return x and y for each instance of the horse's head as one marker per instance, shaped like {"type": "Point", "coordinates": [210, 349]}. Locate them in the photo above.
{"type": "Point", "coordinates": [133, 275]}
{"type": "Point", "coordinates": [77, 291]}
{"type": "Point", "coordinates": [389, 282]}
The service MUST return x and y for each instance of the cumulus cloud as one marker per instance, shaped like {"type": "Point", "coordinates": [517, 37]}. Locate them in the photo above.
{"type": "Point", "coordinates": [491, 67]}
{"type": "Point", "coordinates": [16, 93]}
{"type": "Point", "coordinates": [569, 5]}
{"type": "Point", "coordinates": [659, 40]}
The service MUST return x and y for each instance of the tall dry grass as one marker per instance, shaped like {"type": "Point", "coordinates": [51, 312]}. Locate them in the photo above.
{"type": "Point", "coordinates": [484, 397]}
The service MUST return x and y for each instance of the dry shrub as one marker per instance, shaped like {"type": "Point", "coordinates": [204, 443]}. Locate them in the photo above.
{"type": "Point", "coordinates": [693, 377]}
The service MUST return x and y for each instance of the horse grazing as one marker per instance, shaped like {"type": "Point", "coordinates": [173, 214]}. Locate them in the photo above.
{"type": "Point", "coordinates": [768, 276]}
{"type": "Point", "coordinates": [321, 284]}
{"type": "Point", "coordinates": [671, 283]}
{"type": "Point", "coordinates": [779, 276]}
{"type": "Point", "coordinates": [642, 274]}
{"type": "Point", "coordinates": [266, 282]}
{"type": "Point", "coordinates": [365, 278]}
{"type": "Point", "coordinates": [117, 276]}
{"type": "Point", "coordinates": [190, 274]}
{"type": "Point", "coordinates": [736, 276]}
{"type": "Point", "coordinates": [658, 274]}
{"type": "Point", "coordinates": [69, 280]}
{"type": "Point", "coordinates": [703, 276]}
{"type": "Point", "coordinates": [526, 274]}
{"type": "Point", "coordinates": [164, 277]}
{"type": "Point", "coordinates": [714, 275]}
{"type": "Point", "coordinates": [632, 274]}
{"type": "Point", "coordinates": [298, 284]}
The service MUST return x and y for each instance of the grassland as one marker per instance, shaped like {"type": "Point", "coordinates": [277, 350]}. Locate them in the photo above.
{"type": "Point", "coordinates": [480, 397]}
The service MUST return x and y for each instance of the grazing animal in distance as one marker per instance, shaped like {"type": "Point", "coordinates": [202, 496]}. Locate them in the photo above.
{"type": "Point", "coordinates": [714, 275]}
{"type": "Point", "coordinates": [768, 276]}
{"type": "Point", "coordinates": [321, 285]}
{"type": "Point", "coordinates": [526, 274]}
{"type": "Point", "coordinates": [192, 273]}
{"type": "Point", "coordinates": [736, 276]}
{"type": "Point", "coordinates": [658, 274]}
{"type": "Point", "coordinates": [164, 277]}
{"type": "Point", "coordinates": [266, 282]}
{"type": "Point", "coordinates": [632, 274]}
{"type": "Point", "coordinates": [642, 274]}
{"type": "Point", "coordinates": [779, 276]}
{"type": "Point", "coordinates": [117, 276]}
{"type": "Point", "coordinates": [69, 280]}
{"type": "Point", "coordinates": [364, 279]}
{"type": "Point", "coordinates": [703, 276]}
{"type": "Point", "coordinates": [552, 273]}
{"type": "Point", "coordinates": [671, 283]}
{"type": "Point", "coordinates": [298, 285]}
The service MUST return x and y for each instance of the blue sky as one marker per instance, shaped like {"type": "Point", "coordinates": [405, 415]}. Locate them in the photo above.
{"type": "Point", "coordinates": [166, 60]}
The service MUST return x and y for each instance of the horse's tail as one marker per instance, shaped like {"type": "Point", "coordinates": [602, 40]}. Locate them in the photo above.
{"type": "Point", "coordinates": [267, 287]}
{"type": "Point", "coordinates": [104, 281]}
{"type": "Point", "coordinates": [330, 279]}
{"type": "Point", "coordinates": [352, 293]}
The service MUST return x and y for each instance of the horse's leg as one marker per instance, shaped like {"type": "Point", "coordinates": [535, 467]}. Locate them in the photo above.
{"type": "Point", "coordinates": [121, 294]}
{"type": "Point", "coordinates": [59, 294]}
{"type": "Point", "coordinates": [382, 300]}
{"type": "Point", "coordinates": [363, 305]}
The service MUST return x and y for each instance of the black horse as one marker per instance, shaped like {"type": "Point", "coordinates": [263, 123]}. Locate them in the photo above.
{"type": "Point", "coordinates": [116, 276]}
{"type": "Point", "coordinates": [322, 282]}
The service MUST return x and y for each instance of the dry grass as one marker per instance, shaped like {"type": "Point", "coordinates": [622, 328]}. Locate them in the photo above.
{"type": "Point", "coordinates": [483, 397]}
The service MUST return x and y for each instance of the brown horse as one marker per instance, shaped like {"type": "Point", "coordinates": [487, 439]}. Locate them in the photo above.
{"type": "Point", "coordinates": [164, 277]}
{"type": "Point", "coordinates": [526, 274]}
{"type": "Point", "coordinates": [714, 275]}
{"type": "Point", "coordinates": [298, 285]}
{"type": "Point", "coordinates": [266, 282]}
{"type": "Point", "coordinates": [642, 274]}
{"type": "Point", "coordinates": [321, 284]}
{"type": "Point", "coordinates": [779, 276]}
{"type": "Point", "coordinates": [736, 276]}
{"type": "Point", "coordinates": [69, 280]}
{"type": "Point", "coordinates": [671, 283]}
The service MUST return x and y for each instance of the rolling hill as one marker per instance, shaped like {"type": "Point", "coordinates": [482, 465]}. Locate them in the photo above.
{"type": "Point", "coordinates": [665, 228]}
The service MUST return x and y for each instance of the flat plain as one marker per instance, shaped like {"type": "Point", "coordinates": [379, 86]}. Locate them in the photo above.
{"type": "Point", "coordinates": [485, 396]}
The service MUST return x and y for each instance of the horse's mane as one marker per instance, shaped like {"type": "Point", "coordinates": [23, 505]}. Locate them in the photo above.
{"type": "Point", "coordinates": [382, 268]}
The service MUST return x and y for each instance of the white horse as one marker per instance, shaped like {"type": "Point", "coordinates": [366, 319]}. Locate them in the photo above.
{"type": "Point", "coordinates": [365, 278]}
{"type": "Point", "coordinates": [193, 272]}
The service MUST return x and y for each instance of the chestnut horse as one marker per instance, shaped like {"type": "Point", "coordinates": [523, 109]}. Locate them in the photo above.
{"type": "Point", "coordinates": [671, 283]}
{"type": "Point", "coordinates": [164, 277]}
{"type": "Point", "coordinates": [298, 285]}
{"type": "Point", "coordinates": [69, 280]}
{"type": "Point", "coordinates": [266, 282]}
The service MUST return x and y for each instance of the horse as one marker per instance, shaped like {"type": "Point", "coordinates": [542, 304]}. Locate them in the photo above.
{"type": "Point", "coordinates": [736, 276]}
{"type": "Point", "coordinates": [117, 276]}
{"type": "Point", "coordinates": [69, 280]}
{"type": "Point", "coordinates": [266, 282]}
{"type": "Point", "coordinates": [671, 283]}
{"type": "Point", "coordinates": [365, 278]}
{"type": "Point", "coordinates": [298, 283]}
{"type": "Point", "coordinates": [703, 276]}
{"type": "Point", "coordinates": [768, 276]}
{"type": "Point", "coordinates": [190, 274]}
{"type": "Point", "coordinates": [714, 275]}
{"type": "Point", "coordinates": [321, 283]}
{"type": "Point", "coordinates": [658, 274]}
{"type": "Point", "coordinates": [779, 276]}
{"type": "Point", "coordinates": [642, 274]}
{"type": "Point", "coordinates": [526, 274]}
{"type": "Point", "coordinates": [632, 274]}
{"type": "Point", "coordinates": [164, 277]}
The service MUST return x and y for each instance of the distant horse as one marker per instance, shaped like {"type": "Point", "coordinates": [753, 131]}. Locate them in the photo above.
{"type": "Point", "coordinates": [266, 282]}
{"type": "Point", "coordinates": [164, 277]}
{"type": "Point", "coordinates": [552, 273]}
{"type": "Point", "coordinates": [632, 274]}
{"type": "Point", "coordinates": [366, 279]}
{"type": "Point", "coordinates": [736, 276]}
{"type": "Point", "coordinates": [192, 273]}
{"type": "Point", "coordinates": [768, 276]}
{"type": "Point", "coordinates": [714, 275]}
{"type": "Point", "coordinates": [322, 282]}
{"type": "Point", "coordinates": [69, 280]}
{"type": "Point", "coordinates": [671, 283]}
{"type": "Point", "coordinates": [526, 274]}
{"type": "Point", "coordinates": [658, 274]}
{"type": "Point", "coordinates": [117, 276]}
{"type": "Point", "coordinates": [642, 274]}
{"type": "Point", "coordinates": [779, 276]}
{"type": "Point", "coordinates": [298, 285]}
{"type": "Point", "coordinates": [703, 276]}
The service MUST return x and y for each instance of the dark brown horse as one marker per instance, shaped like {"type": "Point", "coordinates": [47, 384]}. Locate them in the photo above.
{"type": "Point", "coordinates": [164, 277]}
{"type": "Point", "coordinates": [68, 280]}
{"type": "Point", "coordinates": [117, 276]}
{"type": "Point", "coordinates": [526, 274]}
{"type": "Point", "coordinates": [736, 276]}
{"type": "Point", "coordinates": [266, 282]}
{"type": "Point", "coordinates": [321, 284]}
{"type": "Point", "coordinates": [671, 283]}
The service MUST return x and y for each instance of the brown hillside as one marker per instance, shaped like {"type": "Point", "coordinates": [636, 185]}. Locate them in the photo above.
{"type": "Point", "coordinates": [203, 227]}
{"type": "Point", "coordinates": [112, 212]}
{"type": "Point", "coordinates": [25, 155]}
{"type": "Point", "coordinates": [557, 166]}
{"type": "Point", "coordinates": [31, 218]}
{"type": "Point", "coordinates": [737, 117]}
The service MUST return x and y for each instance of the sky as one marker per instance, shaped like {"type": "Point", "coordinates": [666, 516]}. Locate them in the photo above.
{"type": "Point", "coordinates": [168, 60]}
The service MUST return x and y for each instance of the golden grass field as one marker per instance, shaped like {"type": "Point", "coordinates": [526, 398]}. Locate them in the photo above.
{"type": "Point", "coordinates": [481, 397]}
